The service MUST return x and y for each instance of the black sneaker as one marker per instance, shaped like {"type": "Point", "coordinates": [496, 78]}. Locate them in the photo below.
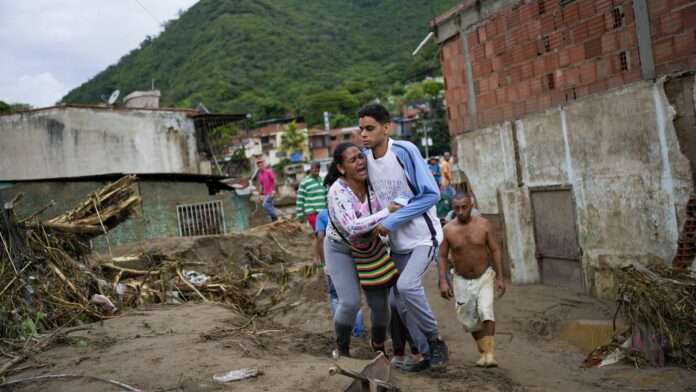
{"type": "Point", "coordinates": [416, 366]}
{"type": "Point", "coordinates": [439, 355]}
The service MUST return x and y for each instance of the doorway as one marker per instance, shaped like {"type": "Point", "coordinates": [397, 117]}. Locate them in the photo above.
{"type": "Point", "coordinates": [555, 232]}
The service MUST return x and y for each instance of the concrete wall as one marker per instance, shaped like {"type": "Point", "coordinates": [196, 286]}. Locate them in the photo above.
{"type": "Point", "coordinates": [66, 142]}
{"type": "Point", "coordinates": [159, 206]}
{"type": "Point", "coordinates": [619, 152]}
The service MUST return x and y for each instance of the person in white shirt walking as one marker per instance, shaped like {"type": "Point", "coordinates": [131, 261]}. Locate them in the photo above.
{"type": "Point", "coordinates": [396, 169]}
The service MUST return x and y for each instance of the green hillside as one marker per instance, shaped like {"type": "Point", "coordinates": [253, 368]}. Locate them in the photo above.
{"type": "Point", "coordinates": [271, 57]}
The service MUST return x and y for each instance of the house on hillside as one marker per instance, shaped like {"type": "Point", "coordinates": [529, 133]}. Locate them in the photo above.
{"type": "Point", "coordinates": [63, 153]}
{"type": "Point", "coordinates": [572, 122]}
{"type": "Point", "coordinates": [322, 143]}
{"type": "Point", "coordinates": [263, 140]}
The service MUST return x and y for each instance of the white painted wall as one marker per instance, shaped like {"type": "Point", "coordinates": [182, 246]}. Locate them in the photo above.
{"type": "Point", "coordinates": [619, 152]}
{"type": "Point", "coordinates": [73, 142]}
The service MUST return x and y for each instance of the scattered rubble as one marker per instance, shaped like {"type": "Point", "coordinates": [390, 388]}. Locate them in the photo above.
{"type": "Point", "coordinates": [659, 305]}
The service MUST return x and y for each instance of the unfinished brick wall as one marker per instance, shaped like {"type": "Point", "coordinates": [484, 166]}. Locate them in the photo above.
{"type": "Point", "coordinates": [538, 54]}
{"type": "Point", "coordinates": [673, 30]}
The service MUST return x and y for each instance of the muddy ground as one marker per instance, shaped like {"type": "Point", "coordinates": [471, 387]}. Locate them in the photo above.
{"type": "Point", "coordinates": [169, 347]}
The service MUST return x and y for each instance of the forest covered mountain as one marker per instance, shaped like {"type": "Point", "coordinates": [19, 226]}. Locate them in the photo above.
{"type": "Point", "coordinates": [273, 57]}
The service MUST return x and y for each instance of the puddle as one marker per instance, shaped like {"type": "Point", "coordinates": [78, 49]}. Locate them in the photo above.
{"type": "Point", "coordinates": [588, 334]}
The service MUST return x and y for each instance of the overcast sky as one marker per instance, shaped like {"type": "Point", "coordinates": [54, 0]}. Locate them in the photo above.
{"type": "Point", "coordinates": [48, 47]}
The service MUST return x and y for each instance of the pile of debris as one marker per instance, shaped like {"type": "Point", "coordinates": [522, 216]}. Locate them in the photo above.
{"type": "Point", "coordinates": [44, 283]}
{"type": "Point", "coordinates": [160, 278]}
{"type": "Point", "coordinates": [659, 305]}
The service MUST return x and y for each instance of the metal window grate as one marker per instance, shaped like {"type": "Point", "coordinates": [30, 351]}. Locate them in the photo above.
{"type": "Point", "coordinates": [201, 218]}
{"type": "Point", "coordinates": [623, 61]}
{"type": "Point", "coordinates": [542, 7]}
{"type": "Point", "coordinates": [547, 43]}
{"type": "Point", "coordinates": [551, 80]}
{"type": "Point", "coordinates": [617, 17]}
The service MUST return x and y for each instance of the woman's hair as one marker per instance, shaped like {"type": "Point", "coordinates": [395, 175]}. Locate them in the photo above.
{"type": "Point", "coordinates": [333, 173]}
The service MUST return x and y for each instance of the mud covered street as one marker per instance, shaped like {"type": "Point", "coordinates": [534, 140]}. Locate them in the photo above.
{"type": "Point", "coordinates": [170, 347]}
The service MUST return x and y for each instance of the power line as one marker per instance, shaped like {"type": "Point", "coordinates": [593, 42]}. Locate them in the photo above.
{"type": "Point", "coordinates": [150, 13]}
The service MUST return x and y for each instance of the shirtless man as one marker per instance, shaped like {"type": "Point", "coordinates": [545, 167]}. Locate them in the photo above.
{"type": "Point", "coordinates": [472, 242]}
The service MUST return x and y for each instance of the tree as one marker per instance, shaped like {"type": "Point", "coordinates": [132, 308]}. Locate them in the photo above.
{"type": "Point", "coordinates": [219, 137]}
{"type": "Point", "coordinates": [293, 140]}
{"type": "Point", "coordinates": [431, 92]}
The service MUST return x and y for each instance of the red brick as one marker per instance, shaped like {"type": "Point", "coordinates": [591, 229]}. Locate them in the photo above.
{"type": "Point", "coordinates": [579, 33]}
{"type": "Point", "coordinates": [582, 91]}
{"type": "Point", "coordinates": [493, 116]}
{"type": "Point", "coordinates": [523, 90]}
{"type": "Point", "coordinates": [586, 8]}
{"type": "Point", "coordinates": [598, 86]}
{"type": "Point", "coordinates": [670, 23]}
{"type": "Point", "coordinates": [536, 85]}
{"type": "Point", "coordinates": [588, 73]}
{"type": "Point", "coordinates": [508, 112]}
{"type": "Point", "coordinates": [552, 62]}
{"type": "Point", "coordinates": [627, 38]}
{"type": "Point", "coordinates": [577, 54]}
{"type": "Point", "coordinates": [479, 35]}
{"type": "Point", "coordinates": [512, 93]}
{"type": "Point", "coordinates": [466, 123]}
{"type": "Point", "coordinates": [603, 68]}
{"type": "Point", "coordinates": [499, 45]}
{"type": "Point", "coordinates": [560, 79]}
{"type": "Point", "coordinates": [570, 14]}
{"type": "Point", "coordinates": [517, 55]}
{"type": "Point", "coordinates": [477, 53]}
{"type": "Point", "coordinates": [544, 101]}
{"type": "Point", "coordinates": [657, 7]}
{"type": "Point", "coordinates": [532, 104]}
{"type": "Point", "coordinates": [685, 43]}
{"type": "Point", "coordinates": [628, 13]}
{"type": "Point", "coordinates": [500, 96]}
{"type": "Point", "coordinates": [489, 49]}
{"type": "Point", "coordinates": [520, 35]}
{"type": "Point", "coordinates": [494, 81]}
{"type": "Point", "coordinates": [632, 76]}
{"type": "Point", "coordinates": [486, 101]}
{"type": "Point", "coordinates": [593, 48]}
{"type": "Point", "coordinates": [511, 39]}
{"type": "Point", "coordinates": [547, 24]}
{"type": "Point", "coordinates": [595, 26]}
{"type": "Point", "coordinates": [497, 63]}
{"type": "Point", "coordinates": [615, 81]}
{"type": "Point", "coordinates": [530, 51]}
{"type": "Point", "coordinates": [515, 75]}
{"type": "Point", "coordinates": [603, 5]}
{"type": "Point", "coordinates": [564, 57]}
{"type": "Point", "coordinates": [688, 16]}
{"type": "Point", "coordinates": [551, 5]}
{"type": "Point", "coordinates": [512, 19]}
{"type": "Point", "coordinates": [482, 85]}
{"type": "Point", "coordinates": [527, 70]}
{"type": "Point", "coordinates": [609, 43]}
{"type": "Point", "coordinates": [556, 40]}
{"type": "Point", "coordinates": [464, 109]}
{"type": "Point", "coordinates": [655, 27]}
{"type": "Point", "coordinates": [526, 12]}
{"type": "Point", "coordinates": [662, 50]}
{"type": "Point", "coordinates": [491, 28]}
{"type": "Point", "coordinates": [519, 109]}
{"type": "Point", "coordinates": [539, 66]}
{"type": "Point", "coordinates": [534, 29]}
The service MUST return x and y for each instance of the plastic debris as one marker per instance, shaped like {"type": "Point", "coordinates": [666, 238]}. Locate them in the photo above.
{"type": "Point", "coordinates": [236, 375]}
{"type": "Point", "coordinates": [104, 302]}
{"type": "Point", "coordinates": [196, 277]}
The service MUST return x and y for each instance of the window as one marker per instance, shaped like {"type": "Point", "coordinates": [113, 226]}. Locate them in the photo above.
{"type": "Point", "coordinates": [623, 61]}
{"type": "Point", "coordinates": [618, 17]}
{"type": "Point", "coordinates": [201, 218]}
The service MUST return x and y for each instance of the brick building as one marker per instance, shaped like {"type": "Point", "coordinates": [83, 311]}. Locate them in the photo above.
{"type": "Point", "coordinates": [573, 120]}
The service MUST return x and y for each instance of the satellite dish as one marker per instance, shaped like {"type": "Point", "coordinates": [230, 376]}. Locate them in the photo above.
{"type": "Point", "coordinates": [114, 97]}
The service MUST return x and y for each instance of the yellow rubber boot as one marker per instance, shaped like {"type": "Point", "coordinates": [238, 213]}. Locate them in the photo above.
{"type": "Point", "coordinates": [481, 344]}
{"type": "Point", "coordinates": [489, 347]}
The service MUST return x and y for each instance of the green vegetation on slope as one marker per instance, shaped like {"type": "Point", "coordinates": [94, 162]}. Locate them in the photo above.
{"type": "Point", "coordinates": [272, 57]}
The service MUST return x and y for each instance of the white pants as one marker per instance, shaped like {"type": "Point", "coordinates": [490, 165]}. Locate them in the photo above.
{"type": "Point", "coordinates": [474, 300]}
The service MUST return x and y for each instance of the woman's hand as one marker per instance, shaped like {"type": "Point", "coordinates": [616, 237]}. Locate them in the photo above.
{"type": "Point", "coordinates": [393, 207]}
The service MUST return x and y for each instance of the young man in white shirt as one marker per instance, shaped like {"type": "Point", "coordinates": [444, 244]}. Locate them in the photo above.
{"type": "Point", "coordinates": [396, 168]}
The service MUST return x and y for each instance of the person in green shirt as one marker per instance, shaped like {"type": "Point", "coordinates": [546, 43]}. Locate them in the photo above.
{"type": "Point", "coordinates": [311, 195]}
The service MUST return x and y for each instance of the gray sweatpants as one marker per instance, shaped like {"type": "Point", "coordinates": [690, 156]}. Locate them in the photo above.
{"type": "Point", "coordinates": [341, 266]}
{"type": "Point", "coordinates": [410, 298]}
